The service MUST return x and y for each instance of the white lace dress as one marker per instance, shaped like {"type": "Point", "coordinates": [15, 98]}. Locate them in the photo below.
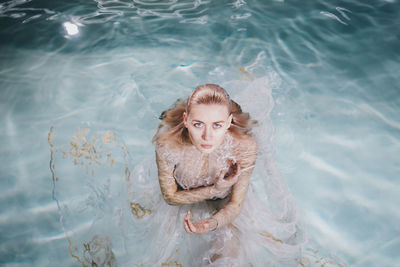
{"type": "Point", "coordinates": [119, 216]}
{"type": "Point", "coordinates": [255, 237]}
{"type": "Point", "coordinates": [193, 169]}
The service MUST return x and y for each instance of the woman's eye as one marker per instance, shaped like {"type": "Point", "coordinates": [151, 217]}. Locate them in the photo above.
{"type": "Point", "coordinates": [217, 125]}
{"type": "Point", "coordinates": [197, 124]}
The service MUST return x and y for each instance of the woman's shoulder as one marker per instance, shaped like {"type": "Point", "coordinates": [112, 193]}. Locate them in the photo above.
{"type": "Point", "coordinates": [167, 152]}
{"type": "Point", "coordinates": [166, 146]}
{"type": "Point", "coordinates": [245, 142]}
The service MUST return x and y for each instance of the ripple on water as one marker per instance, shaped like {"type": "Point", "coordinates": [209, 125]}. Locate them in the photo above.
{"type": "Point", "coordinates": [337, 127]}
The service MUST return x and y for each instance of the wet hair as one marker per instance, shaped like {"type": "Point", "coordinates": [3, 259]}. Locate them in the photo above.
{"type": "Point", "coordinates": [209, 94]}
{"type": "Point", "coordinates": [172, 126]}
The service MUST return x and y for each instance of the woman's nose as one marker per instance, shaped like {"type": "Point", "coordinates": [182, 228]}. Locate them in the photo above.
{"type": "Point", "coordinates": [207, 134]}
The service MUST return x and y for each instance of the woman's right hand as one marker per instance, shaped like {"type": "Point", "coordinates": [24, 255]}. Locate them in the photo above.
{"type": "Point", "coordinates": [228, 179]}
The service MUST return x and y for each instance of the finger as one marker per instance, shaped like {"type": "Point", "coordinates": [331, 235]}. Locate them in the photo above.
{"type": "Point", "coordinates": [187, 217]}
{"type": "Point", "coordinates": [186, 222]}
{"type": "Point", "coordinates": [187, 228]}
{"type": "Point", "coordinates": [231, 177]}
{"type": "Point", "coordinates": [220, 180]}
{"type": "Point", "coordinates": [231, 162]}
{"type": "Point", "coordinates": [191, 226]}
{"type": "Point", "coordinates": [238, 168]}
{"type": "Point", "coordinates": [221, 175]}
{"type": "Point", "coordinates": [237, 171]}
{"type": "Point", "coordinates": [231, 180]}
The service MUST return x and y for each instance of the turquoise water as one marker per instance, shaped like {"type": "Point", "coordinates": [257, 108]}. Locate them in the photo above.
{"type": "Point", "coordinates": [333, 66]}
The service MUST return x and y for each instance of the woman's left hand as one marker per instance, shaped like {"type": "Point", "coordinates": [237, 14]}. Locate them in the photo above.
{"type": "Point", "coordinates": [200, 227]}
{"type": "Point", "coordinates": [227, 180]}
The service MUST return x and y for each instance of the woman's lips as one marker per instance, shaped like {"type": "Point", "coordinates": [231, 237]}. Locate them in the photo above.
{"type": "Point", "coordinates": [206, 146]}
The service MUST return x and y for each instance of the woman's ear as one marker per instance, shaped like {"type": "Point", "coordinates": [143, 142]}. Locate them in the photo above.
{"type": "Point", "coordinates": [185, 119]}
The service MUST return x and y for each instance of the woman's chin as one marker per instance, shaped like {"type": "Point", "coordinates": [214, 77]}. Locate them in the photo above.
{"type": "Point", "coordinates": [206, 149]}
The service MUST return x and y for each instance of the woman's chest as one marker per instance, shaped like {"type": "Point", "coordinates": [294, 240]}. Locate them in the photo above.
{"type": "Point", "coordinates": [196, 169]}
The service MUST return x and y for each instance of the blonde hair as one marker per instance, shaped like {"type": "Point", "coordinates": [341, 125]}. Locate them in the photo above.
{"type": "Point", "coordinates": [172, 127]}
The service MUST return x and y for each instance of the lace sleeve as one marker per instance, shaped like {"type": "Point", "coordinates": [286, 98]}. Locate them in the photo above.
{"type": "Point", "coordinates": [166, 161]}
{"type": "Point", "coordinates": [165, 153]}
{"type": "Point", "coordinates": [247, 158]}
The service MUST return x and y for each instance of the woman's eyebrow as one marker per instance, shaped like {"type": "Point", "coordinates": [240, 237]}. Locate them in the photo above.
{"type": "Point", "coordinates": [203, 122]}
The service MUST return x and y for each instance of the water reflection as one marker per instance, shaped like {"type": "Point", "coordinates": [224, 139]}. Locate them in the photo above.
{"type": "Point", "coordinates": [72, 29]}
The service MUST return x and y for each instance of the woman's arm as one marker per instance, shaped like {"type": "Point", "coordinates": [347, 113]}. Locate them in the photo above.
{"type": "Point", "coordinates": [170, 191]}
{"type": "Point", "coordinates": [232, 209]}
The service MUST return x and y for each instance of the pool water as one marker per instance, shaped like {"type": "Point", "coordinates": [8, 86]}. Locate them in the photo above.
{"type": "Point", "coordinates": [334, 67]}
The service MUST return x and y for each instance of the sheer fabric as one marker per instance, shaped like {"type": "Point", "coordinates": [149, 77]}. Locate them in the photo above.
{"type": "Point", "coordinates": [192, 169]}
{"type": "Point", "coordinates": [124, 207]}
{"type": "Point", "coordinates": [268, 229]}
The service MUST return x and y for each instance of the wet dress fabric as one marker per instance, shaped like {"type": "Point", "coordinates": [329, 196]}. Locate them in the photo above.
{"type": "Point", "coordinates": [256, 236]}
{"type": "Point", "coordinates": [118, 216]}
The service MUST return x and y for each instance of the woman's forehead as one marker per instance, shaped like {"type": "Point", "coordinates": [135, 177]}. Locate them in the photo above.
{"type": "Point", "coordinates": [209, 112]}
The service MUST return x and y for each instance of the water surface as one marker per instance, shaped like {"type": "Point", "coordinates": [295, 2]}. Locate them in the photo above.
{"type": "Point", "coordinates": [333, 66]}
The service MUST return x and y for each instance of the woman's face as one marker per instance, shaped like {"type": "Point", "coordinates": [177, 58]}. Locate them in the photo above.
{"type": "Point", "coordinates": [207, 125]}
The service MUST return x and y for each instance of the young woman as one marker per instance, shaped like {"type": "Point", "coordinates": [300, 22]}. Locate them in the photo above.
{"type": "Point", "coordinates": [204, 152]}
{"type": "Point", "coordinates": [215, 197]}
{"type": "Point", "coordinates": [205, 155]}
